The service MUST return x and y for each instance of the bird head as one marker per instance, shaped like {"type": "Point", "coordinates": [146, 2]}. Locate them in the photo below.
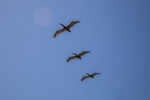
{"type": "Point", "coordinates": [74, 53]}
{"type": "Point", "coordinates": [87, 73]}
{"type": "Point", "coordinates": [62, 25]}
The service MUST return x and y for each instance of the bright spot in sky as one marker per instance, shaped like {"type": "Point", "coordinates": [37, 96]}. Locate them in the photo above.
{"type": "Point", "coordinates": [42, 16]}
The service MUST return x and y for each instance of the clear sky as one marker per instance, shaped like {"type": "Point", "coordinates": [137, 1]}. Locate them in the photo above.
{"type": "Point", "coordinates": [33, 64]}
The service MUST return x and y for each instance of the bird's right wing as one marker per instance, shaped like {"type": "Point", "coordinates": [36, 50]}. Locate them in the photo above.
{"type": "Point", "coordinates": [96, 74]}
{"type": "Point", "coordinates": [72, 24]}
{"type": "Point", "coordinates": [58, 32]}
{"type": "Point", "coordinates": [83, 52]}
{"type": "Point", "coordinates": [70, 58]}
{"type": "Point", "coordinates": [84, 77]}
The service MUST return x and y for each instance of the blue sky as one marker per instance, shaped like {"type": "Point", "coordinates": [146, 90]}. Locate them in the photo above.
{"type": "Point", "coordinates": [33, 64]}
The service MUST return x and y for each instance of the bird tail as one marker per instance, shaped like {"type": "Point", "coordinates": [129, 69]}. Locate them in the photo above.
{"type": "Point", "coordinates": [69, 31]}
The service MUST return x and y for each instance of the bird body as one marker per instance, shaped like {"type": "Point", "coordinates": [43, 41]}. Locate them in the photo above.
{"type": "Point", "coordinates": [66, 28]}
{"type": "Point", "coordinates": [89, 76]}
{"type": "Point", "coordinates": [77, 55]}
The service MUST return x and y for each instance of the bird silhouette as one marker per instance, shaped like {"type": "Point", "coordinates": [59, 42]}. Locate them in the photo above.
{"type": "Point", "coordinates": [77, 55]}
{"type": "Point", "coordinates": [66, 28]}
{"type": "Point", "coordinates": [90, 76]}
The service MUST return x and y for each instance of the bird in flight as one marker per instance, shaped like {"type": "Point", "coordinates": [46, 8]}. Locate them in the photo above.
{"type": "Point", "coordinates": [65, 28]}
{"type": "Point", "coordinates": [77, 55]}
{"type": "Point", "coordinates": [90, 76]}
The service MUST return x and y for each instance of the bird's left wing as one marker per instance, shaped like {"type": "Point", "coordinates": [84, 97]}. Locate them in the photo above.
{"type": "Point", "coordinates": [72, 24]}
{"type": "Point", "coordinates": [96, 74]}
{"type": "Point", "coordinates": [84, 77]}
{"type": "Point", "coordinates": [83, 52]}
{"type": "Point", "coordinates": [58, 32]}
{"type": "Point", "coordinates": [70, 58]}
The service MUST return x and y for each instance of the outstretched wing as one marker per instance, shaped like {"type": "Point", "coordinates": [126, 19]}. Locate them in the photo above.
{"type": "Point", "coordinates": [83, 52]}
{"type": "Point", "coordinates": [96, 74]}
{"type": "Point", "coordinates": [59, 31]}
{"type": "Point", "coordinates": [84, 77]}
{"type": "Point", "coordinates": [70, 58]}
{"type": "Point", "coordinates": [72, 24]}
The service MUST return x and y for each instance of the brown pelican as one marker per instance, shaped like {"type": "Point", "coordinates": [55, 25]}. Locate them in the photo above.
{"type": "Point", "coordinates": [90, 76]}
{"type": "Point", "coordinates": [66, 28]}
{"type": "Point", "coordinates": [77, 55]}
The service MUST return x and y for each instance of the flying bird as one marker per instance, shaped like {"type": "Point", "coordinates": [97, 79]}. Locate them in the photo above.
{"type": "Point", "coordinates": [65, 28]}
{"type": "Point", "coordinates": [90, 76]}
{"type": "Point", "coordinates": [77, 55]}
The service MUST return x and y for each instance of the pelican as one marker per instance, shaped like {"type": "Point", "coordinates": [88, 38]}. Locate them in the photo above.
{"type": "Point", "coordinates": [65, 28]}
{"type": "Point", "coordinates": [90, 76]}
{"type": "Point", "coordinates": [77, 55]}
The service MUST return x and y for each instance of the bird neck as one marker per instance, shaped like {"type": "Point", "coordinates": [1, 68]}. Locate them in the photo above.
{"type": "Point", "coordinates": [75, 54]}
{"type": "Point", "coordinates": [62, 25]}
{"type": "Point", "coordinates": [88, 74]}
